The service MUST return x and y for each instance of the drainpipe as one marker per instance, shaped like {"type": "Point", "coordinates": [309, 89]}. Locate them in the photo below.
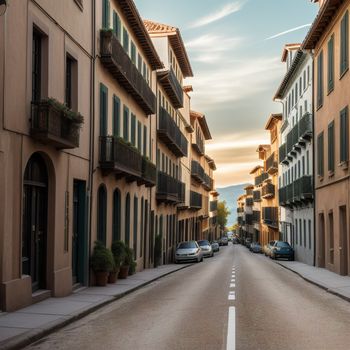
{"type": "Point", "coordinates": [92, 136]}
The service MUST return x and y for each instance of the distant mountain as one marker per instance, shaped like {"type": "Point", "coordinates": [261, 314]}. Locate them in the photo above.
{"type": "Point", "coordinates": [230, 195]}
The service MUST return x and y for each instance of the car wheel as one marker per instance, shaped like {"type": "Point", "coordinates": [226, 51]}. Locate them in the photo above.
{"type": "Point", "coordinates": [202, 259]}
{"type": "Point", "coordinates": [212, 254]}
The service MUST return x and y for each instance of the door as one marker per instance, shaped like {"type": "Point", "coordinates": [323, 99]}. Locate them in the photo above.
{"type": "Point", "coordinates": [34, 233]}
{"type": "Point", "coordinates": [78, 234]}
{"type": "Point", "coordinates": [343, 242]}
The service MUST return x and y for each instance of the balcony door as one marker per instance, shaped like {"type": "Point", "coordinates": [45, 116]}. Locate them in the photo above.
{"type": "Point", "coordinates": [34, 232]}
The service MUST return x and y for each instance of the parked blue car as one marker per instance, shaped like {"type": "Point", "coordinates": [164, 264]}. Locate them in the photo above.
{"type": "Point", "coordinates": [282, 250]}
{"type": "Point", "coordinates": [256, 248]}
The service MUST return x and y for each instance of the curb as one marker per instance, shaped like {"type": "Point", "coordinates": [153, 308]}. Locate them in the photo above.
{"type": "Point", "coordinates": [20, 341]}
{"type": "Point", "coordinates": [331, 291]}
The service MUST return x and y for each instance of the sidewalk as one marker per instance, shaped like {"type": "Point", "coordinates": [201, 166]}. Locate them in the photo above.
{"type": "Point", "coordinates": [27, 325]}
{"type": "Point", "coordinates": [330, 281]}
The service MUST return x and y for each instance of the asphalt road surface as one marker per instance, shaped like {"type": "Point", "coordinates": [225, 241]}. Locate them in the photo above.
{"type": "Point", "coordinates": [236, 300]}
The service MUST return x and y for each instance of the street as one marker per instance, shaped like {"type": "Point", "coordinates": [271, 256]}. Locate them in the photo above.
{"type": "Point", "coordinates": [274, 309]}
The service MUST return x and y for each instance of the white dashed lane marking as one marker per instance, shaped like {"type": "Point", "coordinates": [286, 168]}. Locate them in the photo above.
{"type": "Point", "coordinates": [231, 329]}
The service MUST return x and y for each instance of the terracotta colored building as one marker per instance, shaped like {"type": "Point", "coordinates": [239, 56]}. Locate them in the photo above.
{"type": "Point", "coordinates": [328, 38]}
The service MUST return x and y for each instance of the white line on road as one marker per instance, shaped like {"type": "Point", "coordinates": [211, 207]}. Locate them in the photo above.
{"type": "Point", "coordinates": [231, 329]}
{"type": "Point", "coordinates": [232, 285]}
{"type": "Point", "coordinates": [233, 280]}
{"type": "Point", "coordinates": [232, 296]}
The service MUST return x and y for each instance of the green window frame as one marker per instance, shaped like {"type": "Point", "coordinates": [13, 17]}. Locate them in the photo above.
{"type": "Point", "coordinates": [145, 140]}
{"type": "Point", "coordinates": [331, 64]}
{"type": "Point", "coordinates": [136, 228]}
{"type": "Point", "coordinates": [105, 14]}
{"type": "Point", "coordinates": [133, 129]}
{"type": "Point", "coordinates": [102, 214]}
{"type": "Point", "coordinates": [344, 43]}
{"type": "Point", "coordinates": [116, 215]}
{"type": "Point", "coordinates": [320, 154]}
{"type": "Point", "coordinates": [117, 26]}
{"type": "Point", "coordinates": [139, 63]}
{"type": "Point", "coordinates": [344, 135]}
{"type": "Point", "coordinates": [331, 147]}
{"type": "Point", "coordinates": [320, 80]}
{"type": "Point", "coordinates": [126, 40]}
{"type": "Point", "coordinates": [126, 123]}
{"type": "Point", "coordinates": [103, 110]}
{"type": "Point", "coordinates": [127, 220]}
{"type": "Point", "coordinates": [133, 52]}
{"type": "Point", "coordinates": [139, 136]}
{"type": "Point", "coordinates": [116, 116]}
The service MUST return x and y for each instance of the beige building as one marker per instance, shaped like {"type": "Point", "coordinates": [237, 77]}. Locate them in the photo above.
{"type": "Point", "coordinates": [328, 39]}
{"type": "Point", "coordinates": [45, 81]}
{"type": "Point", "coordinates": [258, 173]}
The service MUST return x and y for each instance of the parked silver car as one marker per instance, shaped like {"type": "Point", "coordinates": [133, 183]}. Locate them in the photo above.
{"type": "Point", "coordinates": [206, 248]}
{"type": "Point", "coordinates": [215, 246]}
{"type": "Point", "coordinates": [188, 251]}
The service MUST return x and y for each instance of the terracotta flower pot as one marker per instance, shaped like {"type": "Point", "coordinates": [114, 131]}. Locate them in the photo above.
{"type": "Point", "coordinates": [113, 275]}
{"type": "Point", "coordinates": [123, 272]}
{"type": "Point", "coordinates": [101, 278]}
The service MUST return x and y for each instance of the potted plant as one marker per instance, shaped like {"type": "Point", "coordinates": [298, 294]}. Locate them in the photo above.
{"type": "Point", "coordinates": [118, 251]}
{"type": "Point", "coordinates": [129, 260]}
{"type": "Point", "coordinates": [124, 266]}
{"type": "Point", "coordinates": [102, 263]}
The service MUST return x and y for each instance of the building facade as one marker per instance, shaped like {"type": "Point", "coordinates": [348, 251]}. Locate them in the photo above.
{"type": "Point", "coordinates": [328, 39]}
{"type": "Point", "coordinates": [296, 153]}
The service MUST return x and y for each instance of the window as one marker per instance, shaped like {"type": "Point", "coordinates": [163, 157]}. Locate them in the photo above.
{"type": "Point", "coordinates": [116, 215]}
{"type": "Point", "coordinates": [133, 52]}
{"type": "Point", "coordinates": [136, 228]}
{"type": "Point", "coordinates": [103, 110]}
{"type": "Point", "coordinates": [142, 226]}
{"type": "Point", "coordinates": [133, 129]}
{"type": "Point", "coordinates": [105, 14]}
{"type": "Point", "coordinates": [331, 147]}
{"type": "Point", "coordinates": [101, 214]}
{"type": "Point", "coordinates": [127, 220]}
{"type": "Point", "coordinates": [139, 136]}
{"type": "Point", "coordinates": [300, 86]}
{"type": "Point", "coordinates": [117, 26]}
{"type": "Point", "coordinates": [139, 66]}
{"type": "Point", "coordinates": [301, 232]}
{"type": "Point", "coordinates": [126, 40]}
{"type": "Point", "coordinates": [116, 116]}
{"type": "Point", "coordinates": [320, 80]}
{"type": "Point", "coordinates": [304, 77]}
{"type": "Point", "coordinates": [331, 64]}
{"type": "Point", "coordinates": [304, 233]}
{"type": "Point", "coordinates": [36, 65]}
{"type": "Point", "coordinates": [308, 162]}
{"type": "Point", "coordinates": [145, 140]}
{"type": "Point", "coordinates": [344, 44]}
{"type": "Point", "coordinates": [126, 124]}
{"type": "Point", "coordinates": [320, 156]}
{"type": "Point", "coordinates": [331, 237]}
{"type": "Point", "coordinates": [296, 231]}
{"type": "Point", "coordinates": [303, 164]}
{"type": "Point", "coordinates": [69, 81]}
{"type": "Point", "coordinates": [344, 135]}
{"type": "Point", "coordinates": [309, 234]}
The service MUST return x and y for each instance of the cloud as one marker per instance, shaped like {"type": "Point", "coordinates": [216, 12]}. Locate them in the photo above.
{"type": "Point", "coordinates": [227, 10]}
{"type": "Point", "coordinates": [288, 31]}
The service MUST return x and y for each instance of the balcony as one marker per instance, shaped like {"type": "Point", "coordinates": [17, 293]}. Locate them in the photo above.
{"type": "Point", "coordinates": [282, 196]}
{"type": "Point", "coordinates": [119, 64]}
{"type": "Point", "coordinates": [270, 216]}
{"type": "Point", "coordinates": [52, 125]}
{"type": "Point", "coordinates": [283, 154]}
{"type": "Point", "coordinates": [169, 190]}
{"type": "Point", "coordinates": [182, 192]}
{"type": "Point", "coordinates": [240, 220]}
{"type": "Point", "coordinates": [149, 173]}
{"type": "Point", "coordinates": [198, 145]}
{"type": "Point", "coordinates": [289, 194]}
{"type": "Point", "coordinates": [305, 127]}
{"type": "Point", "coordinates": [172, 87]}
{"type": "Point", "coordinates": [197, 171]}
{"type": "Point", "coordinates": [268, 191]}
{"type": "Point", "coordinates": [208, 183]}
{"type": "Point", "coordinates": [256, 217]}
{"type": "Point", "coordinates": [213, 221]}
{"type": "Point", "coordinates": [298, 193]}
{"type": "Point", "coordinates": [249, 219]}
{"type": "Point", "coordinates": [214, 206]}
{"type": "Point", "coordinates": [271, 164]}
{"type": "Point", "coordinates": [171, 134]}
{"type": "Point", "coordinates": [195, 200]}
{"type": "Point", "coordinates": [120, 158]}
{"type": "Point", "coordinates": [249, 202]}
{"type": "Point", "coordinates": [256, 196]}
{"type": "Point", "coordinates": [261, 178]}
{"type": "Point", "coordinates": [240, 210]}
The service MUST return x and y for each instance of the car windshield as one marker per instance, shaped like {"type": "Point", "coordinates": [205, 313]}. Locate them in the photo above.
{"type": "Point", "coordinates": [187, 245]}
{"type": "Point", "coordinates": [282, 244]}
{"type": "Point", "coordinates": [202, 243]}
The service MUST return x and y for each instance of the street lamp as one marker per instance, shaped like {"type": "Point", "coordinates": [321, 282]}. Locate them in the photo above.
{"type": "Point", "coordinates": [3, 6]}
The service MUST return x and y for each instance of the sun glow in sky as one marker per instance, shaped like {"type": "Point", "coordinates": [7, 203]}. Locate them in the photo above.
{"type": "Point", "coordinates": [235, 49]}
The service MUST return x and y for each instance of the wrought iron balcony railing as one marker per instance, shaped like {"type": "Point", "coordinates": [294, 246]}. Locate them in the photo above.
{"type": "Point", "coordinates": [283, 154]}
{"type": "Point", "coordinates": [256, 216]}
{"type": "Point", "coordinates": [256, 196]}
{"type": "Point", "coordinates": [171, 134]}
{"type": "Point", "coordinates": [172, 87]}
{"type": "Point", "coordinates": [149, 173]}
{"type": "Point", "coordinates": [249, 202]}
{"type": "Point", "coordinates": [297, 193]}
{"type": "Point", "coordinates": [197, 171]}
{"type": "Point", "coordinates": [208, 183]}
{"type": "Point", "coordinates": [213, 206]}
{"type": "Point", "coordinates": [261, 178]}
{"type": "Point", "coordinates": [169, 190]}
{"type": "Point", "coordinates": [271, 164]}
{"type": "Point", "coordinates": [52, 126]}
{"type": "Point", "coordinates": [270, 216]}
{"type": "Point", "coordinates": [268, 190]}
{"type": "Point", "coordinates": [119, 64]}
{"type": "Point", "coordinates": [198, 145]}
{"type": "Point", "coordinates": [196, 200]}
{"type": "Point", "coordinates": [120, 158]}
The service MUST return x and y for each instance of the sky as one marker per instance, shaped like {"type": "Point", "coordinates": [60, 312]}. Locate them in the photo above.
{"type": "Point", "coordinates": [235, 48]}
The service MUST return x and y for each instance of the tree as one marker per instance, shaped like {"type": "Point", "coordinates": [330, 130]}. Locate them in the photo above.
{"type": "Point", "coordinates": [223, 213]}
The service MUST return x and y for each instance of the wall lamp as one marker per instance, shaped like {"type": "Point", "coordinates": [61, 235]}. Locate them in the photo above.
{"type": "Point", "coordinates": [3, 6]}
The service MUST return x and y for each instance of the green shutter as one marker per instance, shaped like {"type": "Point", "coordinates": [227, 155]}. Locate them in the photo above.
{"type": "Point", "coordinates": [344, 135]}
{"type": "Point", "coordinates": [133, 129]}
{"type": "Point", "coordinates": [126, 40]}
{"type": "Point", "coordinates": [344, 44]}
{"type": "Point", "coordinates": [105, 14]}
{"type": "Point", "coordinates": [133, 53]}
{"type": "Point", "coordinates": [145, 140]}
{"type": "Point", "coordinates": [116, 116]}
{"type": "Point", "coordinates": [320, 80]}
{"type": "Point", "coordinates": [139, 63]}
{"type": "Point", "coordinates": [117, 25]}
{"type": "Point", "coordinates": [320, 157]}
{"type": "Point", "coordinates": [139, 136]}
{"type": "Point", "coordinates": [331, 147]}
{"type": "Point", "coordinates": [136, 214]}
{"type": "Point", "coordinates": [126, 124]}
{"type": "Point", "coordinates": [103, 110]}
{"type": "Point", "coordinates": [331, 64]}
